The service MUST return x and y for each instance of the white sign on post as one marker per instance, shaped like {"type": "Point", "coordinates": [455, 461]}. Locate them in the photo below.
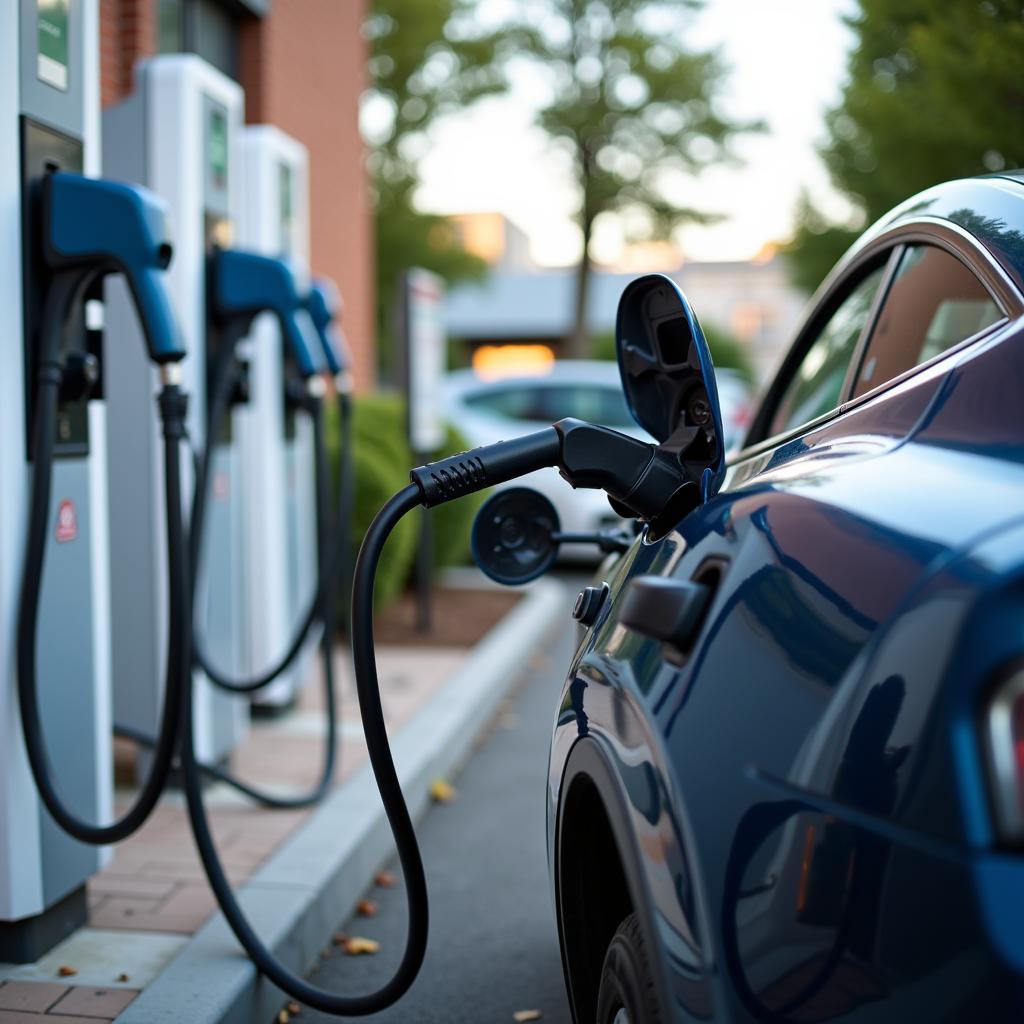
{"type": "Point", "coordinates": [425, 358]}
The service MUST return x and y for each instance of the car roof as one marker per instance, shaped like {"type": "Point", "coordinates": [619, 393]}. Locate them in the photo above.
{"type": "Point", "coordinates": [990, 208]}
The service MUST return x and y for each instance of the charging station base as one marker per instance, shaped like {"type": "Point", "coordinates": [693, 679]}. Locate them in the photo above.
{"type": "Point", "coordinates": [25, 941]}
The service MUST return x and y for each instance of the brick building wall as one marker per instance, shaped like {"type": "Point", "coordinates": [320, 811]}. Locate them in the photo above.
{"type": "Point", "coordinates": [127, 34]}
{"type": "Point", "coordinates": [303, 69]}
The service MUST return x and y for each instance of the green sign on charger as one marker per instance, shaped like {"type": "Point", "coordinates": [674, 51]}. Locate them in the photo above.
{"type": "Point", "coordinates": [52, 60]}
{"type": "Point", "coordinates": [218, 147]}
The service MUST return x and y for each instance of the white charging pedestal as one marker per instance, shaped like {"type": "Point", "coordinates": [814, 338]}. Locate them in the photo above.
{"type": "Point", "coordinates": [277, 443]}
{"type": "Point", "coordinates": [49, 116]}
{"type": "Point", "coordinates": [178, 135]}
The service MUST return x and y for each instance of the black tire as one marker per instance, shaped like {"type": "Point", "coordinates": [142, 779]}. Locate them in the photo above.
{"type": "Point", "coordinates": [627, 978]}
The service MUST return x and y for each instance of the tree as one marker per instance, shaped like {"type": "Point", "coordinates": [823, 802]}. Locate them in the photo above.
{"type": "Point", "coordinates": [427, 58]}
{"type": "Point", "coordinates": [934, 92]}
{"type": "Point", "coordinates": [635, 109]}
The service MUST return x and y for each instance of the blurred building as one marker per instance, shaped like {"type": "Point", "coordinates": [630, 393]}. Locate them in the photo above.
{"type": "Point", "coordinates": [521, 303]}
{"type": "Point", "coordinates": [495, 239]}
{"type": "Point", "coordinates": [302, 64]}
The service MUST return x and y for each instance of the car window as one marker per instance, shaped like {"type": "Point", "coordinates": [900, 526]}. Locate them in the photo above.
{"type": "Point", "coordinates": [546, 403]}
{"type": "Point", "coordinates": [591, 402]}
{"type": "Point", "coordinates": [515, 402]}
{"type": "Point", "coordinates": [934, 302]}
{"type": "Point", "coordinates": [816, 386]}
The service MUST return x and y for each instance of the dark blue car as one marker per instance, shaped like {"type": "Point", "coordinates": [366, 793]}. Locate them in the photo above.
{"type": "Point", "coordinates": [787, 772]}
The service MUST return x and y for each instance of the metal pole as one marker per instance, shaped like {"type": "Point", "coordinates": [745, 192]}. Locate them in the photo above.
{"type": "Point", "coordinates": [423, 568]}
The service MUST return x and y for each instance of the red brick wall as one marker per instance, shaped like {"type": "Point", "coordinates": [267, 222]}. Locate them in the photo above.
{"type": "Point", "coordinates": [303, 69]}
{"type": "Point", "coordinates": [127, 34]}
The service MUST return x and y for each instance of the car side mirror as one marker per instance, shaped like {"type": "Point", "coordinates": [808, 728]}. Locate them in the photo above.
{"type": "Point", "coordinates": [514, 536]}
{"type": "Point", "coordinates": [668, 377]}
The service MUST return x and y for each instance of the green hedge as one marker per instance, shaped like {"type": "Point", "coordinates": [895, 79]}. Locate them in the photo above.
{"type": "Point", "coordinates": [382, 461]}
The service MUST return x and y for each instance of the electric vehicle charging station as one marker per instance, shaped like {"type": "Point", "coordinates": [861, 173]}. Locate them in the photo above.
{"type": "Point", "coordinates": [49, 110]}
{"type": "Point", "coordinates": [277, 445]}
{"type": "Point", "coordinates": [178, 135]}
{"type": "Point", "coordinates": [66, 233]}
{"type": "Point", "coordinates": [325, 310]}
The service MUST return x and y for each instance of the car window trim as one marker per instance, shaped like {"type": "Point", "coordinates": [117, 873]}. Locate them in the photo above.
{"type": "Point", "coordinates": [892, 267]}
{"type": "Point", "coordinates": [928, 230]}
{"type": "Point", "coordinates": [831, 298]}
{"type": "Point", "coordinates": [939, 240]}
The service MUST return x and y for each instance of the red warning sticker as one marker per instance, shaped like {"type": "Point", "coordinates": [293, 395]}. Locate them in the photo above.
{"type": "Point", "coordinates": [67, 521]}
{"type": "Point", "coordinates": [221, 486]}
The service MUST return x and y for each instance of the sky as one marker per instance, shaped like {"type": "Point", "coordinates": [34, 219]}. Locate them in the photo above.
{"type": "Point", "coordinates": [787, 61]}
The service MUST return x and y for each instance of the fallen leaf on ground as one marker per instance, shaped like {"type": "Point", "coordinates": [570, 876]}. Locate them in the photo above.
{"type": "Point", "coordinates": [384, 879]}
{"type": "Point", "coordinates": [122, 977]}
{"type": "Point", "coordinates": [442, 792]}
{"type": "Point", "coordinates": [66, 972]}
{"type": "Point", "coordinates": [366, 908]}
{"type": "Point", "coordinates": [357, 946]}
{"type": "Point", "coordinates": [521, 1015]}
{"type": "Point", "coordinates": [294, 1009]}
{"type": "Point", "coordinates": [283, 1017]}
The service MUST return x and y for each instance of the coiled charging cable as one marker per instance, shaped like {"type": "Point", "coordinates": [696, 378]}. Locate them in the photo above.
{"type": "Point", "coordinates": [332, 568]}
{"type": "Point", "coordinates": [67, 291]}
{"type": "Point", "coordinates": [635, 473]}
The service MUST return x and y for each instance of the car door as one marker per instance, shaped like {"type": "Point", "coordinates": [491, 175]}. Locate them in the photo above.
{"type": "Point", "coordinates": [827, 520]}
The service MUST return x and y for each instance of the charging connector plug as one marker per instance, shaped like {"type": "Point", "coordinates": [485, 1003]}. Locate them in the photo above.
{"type": "Point", "coordinates": [643, 479]}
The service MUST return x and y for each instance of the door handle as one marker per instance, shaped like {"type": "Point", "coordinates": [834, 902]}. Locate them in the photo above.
{"type": "Point", "coordinates": [666, 609]}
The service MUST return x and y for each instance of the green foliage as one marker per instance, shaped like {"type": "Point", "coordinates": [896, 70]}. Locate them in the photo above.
{"type": "Point", "coordinates": [726, 350]}
{"type": "Point", "coordinates": [428, 58]}
{"type": "Point", "coordinates": [934, 92]}
{"type": "Point", "coordinates": [633, 106]}
{"type": "Point", "coordinates": [382, 461]}
{"type": "Point", "coordinates": [408, 238]}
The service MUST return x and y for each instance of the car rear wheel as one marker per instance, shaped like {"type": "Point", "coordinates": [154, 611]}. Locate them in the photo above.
{"type": "Point", "coordinates": [627, 994]}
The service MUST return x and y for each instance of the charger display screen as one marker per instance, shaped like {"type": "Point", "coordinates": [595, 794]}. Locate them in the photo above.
{"type": "Point", "coordinates": [52, 42]}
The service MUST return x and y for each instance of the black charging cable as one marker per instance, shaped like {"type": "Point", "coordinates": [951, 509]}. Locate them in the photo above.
{"type": "Point", "coordinates": [644, 479]}
{"type": "Point", "coordinates": [66, 293]}
{"type": "Point", "coordinates": [330, 567]}
{"type": "Point", "coordinates": [641, 477]}
{"type": "Point", "coordinates": [333, 564]}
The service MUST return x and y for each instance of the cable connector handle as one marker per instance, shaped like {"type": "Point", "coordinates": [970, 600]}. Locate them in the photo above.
{"type": "Point", "coordinates": [462, 474]}
{"type": "Point", "coordinates": [641, 476]}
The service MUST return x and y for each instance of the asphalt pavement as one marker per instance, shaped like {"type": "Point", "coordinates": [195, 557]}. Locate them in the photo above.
{"type": "Point", "coordinates": [493, 946]}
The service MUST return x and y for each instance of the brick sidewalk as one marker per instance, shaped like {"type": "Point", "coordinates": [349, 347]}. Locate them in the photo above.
{"type": "Point", "coordinates": [153, 895]}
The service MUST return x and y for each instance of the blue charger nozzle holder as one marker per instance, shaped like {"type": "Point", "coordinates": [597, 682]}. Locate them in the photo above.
{"type": "Point", "coordinates": [324, 305]}
{"type": "Point", "coordinates": [245, 284]}
{"type": "Point", "coordinates": [110, 227]}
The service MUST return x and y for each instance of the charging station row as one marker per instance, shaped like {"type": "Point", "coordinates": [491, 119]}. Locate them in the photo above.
{"type": "Point", "coordinates": [252, 344]}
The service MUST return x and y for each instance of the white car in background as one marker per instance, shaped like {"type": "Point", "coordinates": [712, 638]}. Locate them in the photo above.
{"type": "Point", "coordinates": [490, 410]}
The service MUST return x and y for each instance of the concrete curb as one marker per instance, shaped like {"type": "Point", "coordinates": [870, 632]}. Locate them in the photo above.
{"type": "Point", "coordinates": [297, 899]}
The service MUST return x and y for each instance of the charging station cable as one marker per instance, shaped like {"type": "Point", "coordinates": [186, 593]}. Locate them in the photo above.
{"type": "Point", "coordinates": [66, 293]}
{"type": "Point", "coordinates": [331, 566]}
{"type": "Point", "coordinates": [222, 383]}
{"type": "Point", "coordinates": [643, 478]}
